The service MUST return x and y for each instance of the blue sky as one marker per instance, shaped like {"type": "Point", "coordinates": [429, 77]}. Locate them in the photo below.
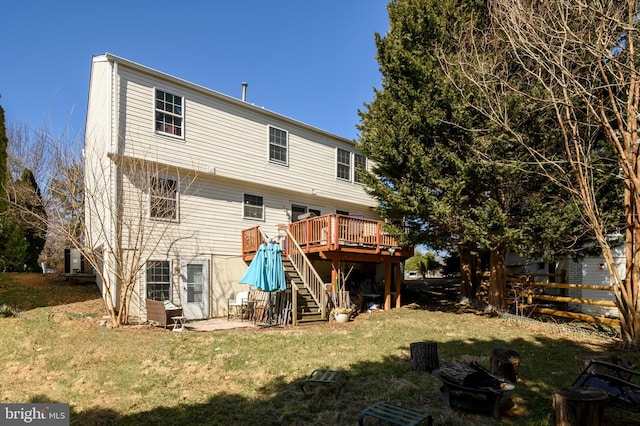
{"type": "Point", "coordinates": [313, 61]}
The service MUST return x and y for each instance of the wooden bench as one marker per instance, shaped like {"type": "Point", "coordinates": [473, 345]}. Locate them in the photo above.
{"type": "Point", "coordinates": [328, 377]}
{"type": "Point", "coordinates": [395, 414]}
{"type": "Point", "coordinates": [157, 313]}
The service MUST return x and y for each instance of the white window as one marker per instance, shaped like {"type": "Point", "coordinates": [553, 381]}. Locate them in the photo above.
{"type": "Point", "coordinates": [169, 113]}
{"type": "Point", "coordinates": [347, 164]}
{"type": "Point", "coordinates": [253, 207]}
{"type": "Point", "coordinates": [343, 169]}
{"type": "Point", "coordinates": [163, 198]}
{"type": "Point", "coordinates": [359, 161]}
{"type": "Point", "coordinates": [158, 279]}
{"type": "Point", "coordinates": [278, 146]}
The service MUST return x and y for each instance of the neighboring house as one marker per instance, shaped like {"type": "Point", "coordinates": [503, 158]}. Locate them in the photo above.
{"type": "Point", "coordinates": [221, 175]}
{"type": "Point", "coordinates": [584, 270]}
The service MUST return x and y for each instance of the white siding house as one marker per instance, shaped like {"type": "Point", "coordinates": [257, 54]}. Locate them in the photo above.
{"type": "Point", "coordinates": [214, 165]}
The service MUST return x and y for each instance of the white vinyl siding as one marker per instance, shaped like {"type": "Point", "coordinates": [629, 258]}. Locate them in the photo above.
{"type": "Point", "coordinates": [226, 137]}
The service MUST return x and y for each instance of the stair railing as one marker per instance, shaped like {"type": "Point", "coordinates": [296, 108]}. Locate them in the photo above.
{"type": "Point", "coordinates": [307, 272]}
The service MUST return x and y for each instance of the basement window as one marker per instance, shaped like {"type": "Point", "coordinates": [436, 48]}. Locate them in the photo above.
{"type": "Point", "coordinates": [158, 280]}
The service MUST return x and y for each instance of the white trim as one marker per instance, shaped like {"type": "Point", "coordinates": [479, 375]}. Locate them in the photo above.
{"type": "Point", "coordinates": [165, 177]}
{"type": "Point", "coordinates": [181, 116]}
{"type": "Point", "coordinates": [261, 219]}
{"type": "Point", "coordinates": [206, 286]}
{"type": "Point", "coordinates": [272, 161]}
{"type": "Point", "coordinates": [171, 285]}
{"type": "Point", "coordinates": [349, 179]}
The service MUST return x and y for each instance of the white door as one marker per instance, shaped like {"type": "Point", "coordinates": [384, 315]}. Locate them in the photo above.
{"type": "Point", "coordinates": [194, 289]}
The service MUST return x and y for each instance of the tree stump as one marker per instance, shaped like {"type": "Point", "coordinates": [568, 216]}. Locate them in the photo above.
{"type": "Point", "coordinates": [579, 406]}
{"type": "Point", "coordinates": [504, 362]}
{"type": "Point", "coordinates": [424, 356]}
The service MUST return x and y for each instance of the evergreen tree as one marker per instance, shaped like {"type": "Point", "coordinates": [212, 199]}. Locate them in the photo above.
{"type": "Point", "coordinates": [33, 217]}
{"type": "Point", "coordinates": [459, 183]}
{"type": "Point", "coordinates": [409, 130]}
{"type": "Point", "coordinates": [4, 174]}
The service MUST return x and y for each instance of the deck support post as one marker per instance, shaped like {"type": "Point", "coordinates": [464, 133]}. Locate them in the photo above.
{"type": "Point", "coordinates": [398, 280]}
{"type": "Point", "coordinates": [335, 267]}
{"type": "Point", "coordinates": [387, 285]}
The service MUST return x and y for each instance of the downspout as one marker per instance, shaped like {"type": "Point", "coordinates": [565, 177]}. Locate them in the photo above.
{"type": "Point", "coordinates": [115, 148]}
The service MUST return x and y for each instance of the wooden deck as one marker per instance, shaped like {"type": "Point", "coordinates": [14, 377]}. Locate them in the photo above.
{"type": "Point", "coordinates": [335, 236]}
{"type": "Point", "coordinates": [338, 238]}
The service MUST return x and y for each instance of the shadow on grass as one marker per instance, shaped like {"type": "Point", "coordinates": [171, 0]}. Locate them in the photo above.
{"type": "Point", "coordinates": [546, 364]}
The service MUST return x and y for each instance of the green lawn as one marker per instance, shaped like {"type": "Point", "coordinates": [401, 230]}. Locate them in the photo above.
{"type": "Point", "coordinates": [141, 375]}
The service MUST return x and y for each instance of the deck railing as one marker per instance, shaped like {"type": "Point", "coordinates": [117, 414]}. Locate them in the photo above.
{"type": "Point", "coordinates": [335, 230]}
{"type": "Point", "coordinates": [252, 238]}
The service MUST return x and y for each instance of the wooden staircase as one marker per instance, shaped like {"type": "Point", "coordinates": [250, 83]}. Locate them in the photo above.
{"type": "Point", "coordinates": [308, 309]}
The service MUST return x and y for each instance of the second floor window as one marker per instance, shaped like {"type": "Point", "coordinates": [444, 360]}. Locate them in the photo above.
{"type": "Point", "coordinates": [343, 164]}
{"type": "Point", "coordinates": [278, 145]}
{"type": "Point", "coordinates": [163, 198]}
{"type": "Point", "coordinates": [169, 113]}
{"type": "Point", "coordinates": [253, 207]}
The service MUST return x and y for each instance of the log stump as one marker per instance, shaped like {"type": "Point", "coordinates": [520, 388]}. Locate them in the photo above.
{"type": "Point", "coordinates": [505, 362]}
{"type": "Point", "coordinates": [424, 356]}
{"type": "Point", "coordinates": [579, 406]}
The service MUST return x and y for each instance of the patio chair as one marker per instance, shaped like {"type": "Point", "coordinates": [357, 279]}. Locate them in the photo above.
{"type": "Point", "coordinates": [614, 379]}
{"type": "Point", "coordinates": [238, 305]}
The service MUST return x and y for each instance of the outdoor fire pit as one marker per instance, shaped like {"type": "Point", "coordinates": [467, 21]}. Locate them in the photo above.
{"type": "Point", "coordinates": [472, 388]}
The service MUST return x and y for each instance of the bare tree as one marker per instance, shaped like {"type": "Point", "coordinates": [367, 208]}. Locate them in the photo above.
{"type": "Point", "coordinates": [28, 149]}
{"type": "Point", "coordinates": [34, 149]}
{"type": "Point", "coordinates": [128, 218]}
{"type": "Point", "coordinates": [580, 57]}
{"type": "Point", "coordinates": [119, 212]}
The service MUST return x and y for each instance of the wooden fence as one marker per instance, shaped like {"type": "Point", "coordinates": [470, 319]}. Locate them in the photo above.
{"type": "Point", "coordinates": [530, 294]}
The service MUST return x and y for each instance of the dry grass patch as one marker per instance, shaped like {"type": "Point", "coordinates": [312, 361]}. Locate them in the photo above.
{"type": "Point", "coordinates": [147, 376]}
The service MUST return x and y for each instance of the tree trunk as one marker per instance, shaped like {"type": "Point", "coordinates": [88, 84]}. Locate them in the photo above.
{"type": "Point", "coordinates": [629, 300]}
{"type": "Point", "coordinates": [468, 285]}
{"type": "Point", "coordinates": [505, 362]}
{"type": "Point", "coordinates": [579, 406]}
{"type": "Point", "coordinates": [424, 356]}
{"type": "Point", "coordinates": [498, 281]}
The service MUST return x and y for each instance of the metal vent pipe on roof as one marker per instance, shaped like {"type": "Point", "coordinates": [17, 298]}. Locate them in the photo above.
{"type": "Point", "coordinates": [244, 91]}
